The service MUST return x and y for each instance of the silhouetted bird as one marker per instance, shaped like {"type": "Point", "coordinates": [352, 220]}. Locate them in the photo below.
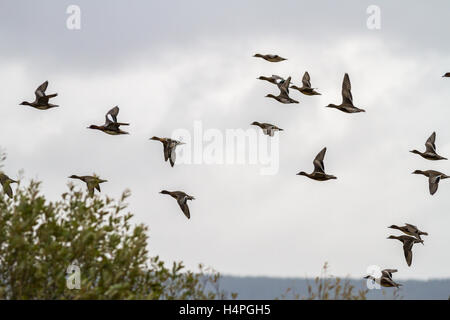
{"type": "Point", "coordinates": [182, 199]}
{"type": "Point", "coordinates": [306, 88]}
{"type": "Point", "coordinates": [6, 181]}
{"type": "Point", "coordinates": [434, 177]}
{"type": "Point", "coordinates": [410, 230]}
{"type": "Point", "coordinates": [267, 128]}
{"type": "Point", "coordinates": [347, 98]}
{"type": "Point", "coordinates": [319, 168]}
{"type": "Point", "coordinates": [92, 182]}
{"type": "Point", "coordinates": [169, 148]}
{"type": "Point", "coordinates": [270, 57]}
{"type": "Point", "coordinates": [41, 100]}
{"type": "Point", "coordinates": [386, 278]}
{"type": "Point", "coordinates": [408, 243]}
{"type": "Point", "coordinates": [283, 97]}
{"type": "Point", "coordinates": [430, 152]}
{"type": "Point", "coordinates": [111, 125]}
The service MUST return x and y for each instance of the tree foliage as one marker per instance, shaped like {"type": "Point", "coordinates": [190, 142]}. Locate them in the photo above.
{"type": "Point", "coordinates": [39, 239]}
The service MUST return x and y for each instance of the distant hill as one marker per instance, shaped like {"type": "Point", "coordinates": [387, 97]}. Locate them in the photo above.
{"type": "Point", "coordinates": [267, 288]}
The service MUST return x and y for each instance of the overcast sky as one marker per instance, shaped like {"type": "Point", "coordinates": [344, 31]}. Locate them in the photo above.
{"type": "Point", "coordinates": [168, 64]}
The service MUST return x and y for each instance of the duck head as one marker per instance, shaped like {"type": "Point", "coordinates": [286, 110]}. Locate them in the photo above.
{"type": "Point", "coordinates": [331, 106]}
{"type": "Point", "coordinates": [255, 123]}
{"type": "Point", "coordinates": [302, 173]}
{"type": "Point", "coordinates": [393, 227]}
{"type": "Point", "coordinates": [24, 103]}
{"type": "Point", "coordinates": [392, 237]}
{"type": "Point", "coordinates": [416, 151]}
{"type": "Point", "coordinates": [74, 176]}
{"type": "Point", "coordinates": [418, 172]}
{"type": "Point", "coordinates": [270, 96]}
{"type": "Point", "coordinates": [258, 55]}
{"type": "Point", "coordinates": [93, 126]}
{"type": "Point", "coordinates": [164, 192]}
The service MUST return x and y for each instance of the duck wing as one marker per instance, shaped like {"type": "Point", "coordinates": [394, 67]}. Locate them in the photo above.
{"type": "Point", "coordinates": [306, 80]}
{"type": "Point", "coordinates": [284, 87]}
{"type": "Point", "coordinates": [388, 272]}
{"type": "Point", "coordinates": [111, 116]}
{"type": "Point", "coordinates": [434, 183]}
{"type": "Point", "coordinates": [318, 161]}
{"type": "Point", "coordinates": [182, 201]}
{"type": "Point", "coordinates": [173, 155]}
{"type": "Point", "coordinates": [90, 186]}
{"type": "Point", "coordinates": [40, 91]}
{"type": "Point", "coordinates": [407, 249]}
{"type": "Point", "coordinates": [7, 189]}
{"type": "Point", "coordinates": [430, 144]}
{"type": "Point", "coordinates": [347, 97]}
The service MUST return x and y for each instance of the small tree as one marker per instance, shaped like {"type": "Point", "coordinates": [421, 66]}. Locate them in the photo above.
{"type": "Point", "coordinates": [40, 239]}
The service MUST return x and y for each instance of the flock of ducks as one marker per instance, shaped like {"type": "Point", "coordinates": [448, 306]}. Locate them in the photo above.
{"type": "Point", "coordinates": [112, 127]}
{"type": "Point", "coordinates": [412, 233]}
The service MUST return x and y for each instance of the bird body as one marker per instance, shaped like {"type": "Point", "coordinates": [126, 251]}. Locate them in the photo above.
{"type": "Point", "coordinates": [410, 230]}
{"type": "Point", "coordinates": [111, 126]}
{"type": "Point", "coordinates": [92, 182]}
{"type": "Point", "coordinates": [434, 177]}
{"type": "Point", "coordinates": [347, 98]}
{"type": "Point", "coordinates": [306, 88]}
{"type": "Point", "coordinates": [182, 199]}
{"type": "Point", "coordinates": [41, 101]}
{"type": "Point", "coordinates": [408, 243]}
{"type": "Point", "coordinates": [269, 57]}
{"type": "Point", "coordinates": [386, 279]}
{"type": "Point", "coordinates": [430, 152]}
{"type": "Point", "coordinates": [169, 148]}
{"type": "Point", "coordinates": [268, 129]}
{"type": "Point", "coordinates": [6, 182]}
{"type": "Point", "coordinates": [319, 169]}
{"type": "Point", "coordinates": [283, 97]}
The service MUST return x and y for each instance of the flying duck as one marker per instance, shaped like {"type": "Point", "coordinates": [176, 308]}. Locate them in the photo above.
{"type": "Point", "coordinates": [434, 177]}
{"type": "Point", "coordinates": [182, 199]}
{"type": "Point", "coordinates": [272, 79]}
{"type": "Point", "coordinates": [41, 100]}
{"type": "Point", "coordinates": [408, 243]}
{"type": "Point", "coordinates": [446, 75]}
{"type": "Point", "coordinates": [319, 169]}
{"type": "Point", "coordinates": [270, 57]}
{"type": "Point", "coordinates": [267, 128]}
{"type": "Point", "coordinates": [306, 88]}
{"type": "Point", "coordinates": [169, 148]}
{"type": "Point", "coordinates": [430, 152]}
{"type": "Point", "coordinates": [410, 230]}
{"type": "Point", "coordinates": [386, 278]}
{"type": "Point", "coordinates": [6, 181]}
{"type": "Point", "coordinates": [92, 182]}
{"type": "Point", "coordinates": [347, 98]}
{"type": "Point", "coordinates": [111, 125]}
{"type": "Point", "coordinates": [283, 97]}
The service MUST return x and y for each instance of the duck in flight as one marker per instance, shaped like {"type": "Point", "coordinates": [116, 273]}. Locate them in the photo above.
{"type": "Point", "coordinates": [430, 152]}
{"type": "Point", "coordinates": [347, 98]}
{"type": "Point", "coordinates": [169, 148]}
{"type": "Point", "coordinates": [283, 97]}
{"type": "Point", "coordinates": [434, 177]}
{"type": "Point", "coordinates": [408, 243]}
{"type": "Point", "coordinates": [274, 79]}
{"type": "Point", "coordinates": [410, 230]}
{"type": "Point", "coordinates": [182, 199]}
{"type": "Point", "coordinates": [92, 182]}
{"type": "Point", "coordinates": [319, 169]}
{"type": "Point", "coordinates": [386, 278]}
{"type": "Point", "coordinates": [111, 125]}
{"type": "Point", "coordinates": [306, 88]}
{"type": "Point", "coordinates": [269, 57]}
{"type": "Point", "coordinates": [267, 128]}
{"type": "Point", "coordinates": [41, 100]}
{"type": "Point", "coordinates": [6, 182]}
